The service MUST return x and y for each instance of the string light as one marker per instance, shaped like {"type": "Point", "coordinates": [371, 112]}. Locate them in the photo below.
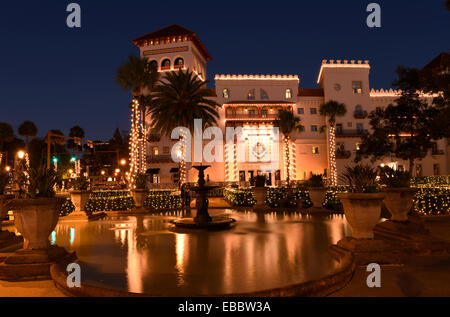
{"type": "Point", "coordinates": [135, 145]}
{"type": "Point", "coordinates": [332, 156]}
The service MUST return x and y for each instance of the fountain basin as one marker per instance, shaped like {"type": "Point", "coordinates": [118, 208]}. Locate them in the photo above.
{"type": "Point", "coordinates": [216, 223]}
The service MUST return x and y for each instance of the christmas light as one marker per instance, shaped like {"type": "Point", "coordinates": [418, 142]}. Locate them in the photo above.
{"type": "Point", "coordinates": [332, 156]}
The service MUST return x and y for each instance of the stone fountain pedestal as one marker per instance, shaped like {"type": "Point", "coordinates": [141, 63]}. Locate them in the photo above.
{"type": "Point", "coordinates": [202, 219]}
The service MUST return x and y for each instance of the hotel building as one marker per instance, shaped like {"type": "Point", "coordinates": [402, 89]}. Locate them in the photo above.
{"type": "Point", "coordinates": [253, 101]}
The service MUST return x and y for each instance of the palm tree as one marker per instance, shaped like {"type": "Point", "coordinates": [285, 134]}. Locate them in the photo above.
{"type": "Point", "coordinates": [6, 134]}
{"type": "Point", "coordinates": [287, 122]}
{"type": "Point", "coordinates": [180, 98]}
{"type": "Point", "coordinates": [27, 129]}
{"type": "Point", "coordinates": [75, 132]}
{"type": "Point", "coordinates": [139, 76]}
{"type": "Point", "coordinates": [332, 109]}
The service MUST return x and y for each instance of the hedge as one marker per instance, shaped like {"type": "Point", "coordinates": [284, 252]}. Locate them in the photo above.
{"type": "Point", "coordinates": [158, 199]}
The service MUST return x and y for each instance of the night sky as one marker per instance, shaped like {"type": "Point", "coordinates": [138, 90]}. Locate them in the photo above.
{"type": "Point", "coordinates": [60, 77]}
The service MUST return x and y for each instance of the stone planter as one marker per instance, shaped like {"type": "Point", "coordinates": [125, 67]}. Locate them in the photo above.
{"type": "Point", "coordinates": [260, 196]}
{"type": "Point", "coordinates": [79, 199]}
{"type": "Point", "coordinates": [362, 211]}
{"type": "Point", "coordinates": [139, 196]}
{"type": "Point", "coordinates": [317, 195]}
{"type": "Point", "coordinates": [399, 202]}
{"type": "Point", "coordinates": [35, 219]}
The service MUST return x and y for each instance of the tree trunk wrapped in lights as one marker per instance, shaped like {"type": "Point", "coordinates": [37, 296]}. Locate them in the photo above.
{"type": "Point", "coordinates": [332, 154]}
{"type": "Point", "coordinates": [135, 145]}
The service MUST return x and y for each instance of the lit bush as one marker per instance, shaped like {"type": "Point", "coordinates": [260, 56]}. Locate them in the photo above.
{"type": "Point", "coordinates": [432, 200]}
{"type": "Point", "coordinates": [96, 204]}
{"type": "Point", "coordinates": [163, 199]}
{"type": "Point", "coordinates": [67, 208]}
{"type": "Point", "coordinates": [242, 197]}
{"type": "Point", "coordinates": [110, 193]}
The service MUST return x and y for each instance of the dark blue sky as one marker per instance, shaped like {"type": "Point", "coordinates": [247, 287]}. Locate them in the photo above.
{"type": "Point", "coordinates": [60, 77]}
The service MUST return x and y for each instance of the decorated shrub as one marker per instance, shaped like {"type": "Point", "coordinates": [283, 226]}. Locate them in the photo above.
{"type": "Point", "coordinates": [163, 199]}
{"type": "Point", "coordinates": [109, 203]}
{"type": "Point", "coordinates": [67, 208]}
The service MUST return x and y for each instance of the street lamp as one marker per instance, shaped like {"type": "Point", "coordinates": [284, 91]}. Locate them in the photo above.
{"type": "Point", "coordinates": [123, 162]}
{"type": "Point", "coordinates": [21, 154]}
{"type": "Point", "coordinates": [8, 168]}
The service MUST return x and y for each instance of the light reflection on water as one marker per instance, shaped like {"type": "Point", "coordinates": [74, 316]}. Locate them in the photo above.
{"type": "Point", "coordinates": [140, 253]}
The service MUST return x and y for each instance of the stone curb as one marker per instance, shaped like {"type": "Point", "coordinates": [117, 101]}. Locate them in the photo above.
{"type": "Point", "coordinates": [320, 287]}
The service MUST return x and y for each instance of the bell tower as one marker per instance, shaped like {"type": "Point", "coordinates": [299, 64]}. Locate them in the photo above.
{"type": "Point", "coordinates": [174, 47]}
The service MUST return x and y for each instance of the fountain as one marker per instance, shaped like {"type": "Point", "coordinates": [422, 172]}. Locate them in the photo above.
{"type": "Point", "coordinates": [202, 219]}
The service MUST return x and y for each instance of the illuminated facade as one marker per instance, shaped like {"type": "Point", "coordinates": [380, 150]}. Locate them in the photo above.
{"type": "Point", "coordinates": [253, 101]}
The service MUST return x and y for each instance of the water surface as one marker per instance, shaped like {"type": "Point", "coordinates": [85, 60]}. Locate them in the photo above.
{"type": "Point", "coordinates": [141, 254]}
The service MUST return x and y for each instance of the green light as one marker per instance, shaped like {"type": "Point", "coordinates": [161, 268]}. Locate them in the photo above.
{"type": "Point", "coordinates": [55, 160]}
{"type": "Point", "coordinates": [73, 159]}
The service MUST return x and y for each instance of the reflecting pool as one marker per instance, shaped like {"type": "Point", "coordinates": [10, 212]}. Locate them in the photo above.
{"type": "Point", "coordinates": [141, 254]}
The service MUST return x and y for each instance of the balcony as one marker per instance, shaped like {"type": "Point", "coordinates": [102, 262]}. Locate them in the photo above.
{"type": "Point", "coordinates": [343, 154]}
{"type": "Point", "coordinates": [360, 114]}
{"type": "Point", "coordinates": [350, 133]}
{"type": "Point", "coordinates": [437, 152]}
{"type": "Point", "coordinates": [252, 116]}
{"type": "Point", "coordinates": [179, 67]}
{"type": "Point", "coordinates": [159, 158]}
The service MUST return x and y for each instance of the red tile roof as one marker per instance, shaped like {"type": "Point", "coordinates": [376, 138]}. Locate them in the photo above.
{"type": "Point", "coordinates": [310, 92]}
{"type": "Point", "coordinates": [174, 30]}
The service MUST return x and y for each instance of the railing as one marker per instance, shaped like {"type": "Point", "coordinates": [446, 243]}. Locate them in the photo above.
{"type": "Point", "coordinates": [159, 158]}
{"type": "Point", "coordinates": [437, 152]}
{"type": "Point", "coordinates": [270, 116]}
{"type": "Point", "coordinates": [357, 132]}
{"type": "Point", "coordinates": [360, 114]}
{"type": "Point", "coordinates": [178, 66]}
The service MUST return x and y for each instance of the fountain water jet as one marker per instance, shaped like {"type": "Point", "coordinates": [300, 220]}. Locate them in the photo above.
{"type": "Point", "coordinates": [202, 219]}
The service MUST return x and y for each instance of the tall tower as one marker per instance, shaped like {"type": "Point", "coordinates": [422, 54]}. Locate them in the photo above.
{"type": "Point", "coordinates": [174, 47]}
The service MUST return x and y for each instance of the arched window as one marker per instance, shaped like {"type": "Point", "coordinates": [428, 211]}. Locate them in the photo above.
{"type": "Point", "coordinates": [358, 108]}
{"type": "Point", "coordinates": [165, 64]}
{"type": "Point", "coordinates": [179, 63]}
{"type": "Point", "coordinates": [288, 93]}
{"type": "Point", "coordinates": [154, 65]}
{"type": "Point", "coordinates": [251, 94]}
{"type": "Point", "coordinates": [264, 94]}
{"type": "Point", "coordinates": [226, 93]}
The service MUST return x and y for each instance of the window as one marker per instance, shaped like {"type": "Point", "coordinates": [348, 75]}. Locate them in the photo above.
{"type": "Point", "coordinates": [166, 150]}
{"type": "Point", "coordinates": [264, 94]}
{"type": "Point", "coordinates": [357, 146]}
{"type": "Point", "coordinates": [300, 110]}
{"type": "Point", "coordinates": [339, 128]}
{"type": "Point", "coordinates": [313, 110]}
{"type": "Point", "coordinates": [277, 175]}
{"type": "Point", "coordinates": [251, 94]}
{"type": "Point", "coordinates": [242, 176]}
{"type": "Point", "coordinates": [436, 169]}
{"type": "Point", "coordinates": [288, 93]}
{"type": "Point", "coordinates": [226, 93]}
{"type": "Point", "coordinates": [419, 170]}
{"type": "Point", "coordinates": [155, 151]}
{"type": "Point", "coordinates": [357, 87]}
{"type": "Point", "coordinates": [358, 108]}
{"type": "Point", "coordinates": [251, 113]}
{"type": "Point", "coordinates": [401, 168]}
{"type": "Point", "coordinates": [179, 63]}
{"type": "Point", "coordinates": [165, 64]}
{"type": "Point", "coordinates": [153, 65]}
{"type": "Point", "coordinates": [349, 124]}
{"type": "Point", "coordinates": [315, 150]}
{"type": "Point", "coordinates": [264, 113]}
{"type": "Point", "coordinates": [359, 127]}
{"type": "Point", "coordinates": [313, 128]}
